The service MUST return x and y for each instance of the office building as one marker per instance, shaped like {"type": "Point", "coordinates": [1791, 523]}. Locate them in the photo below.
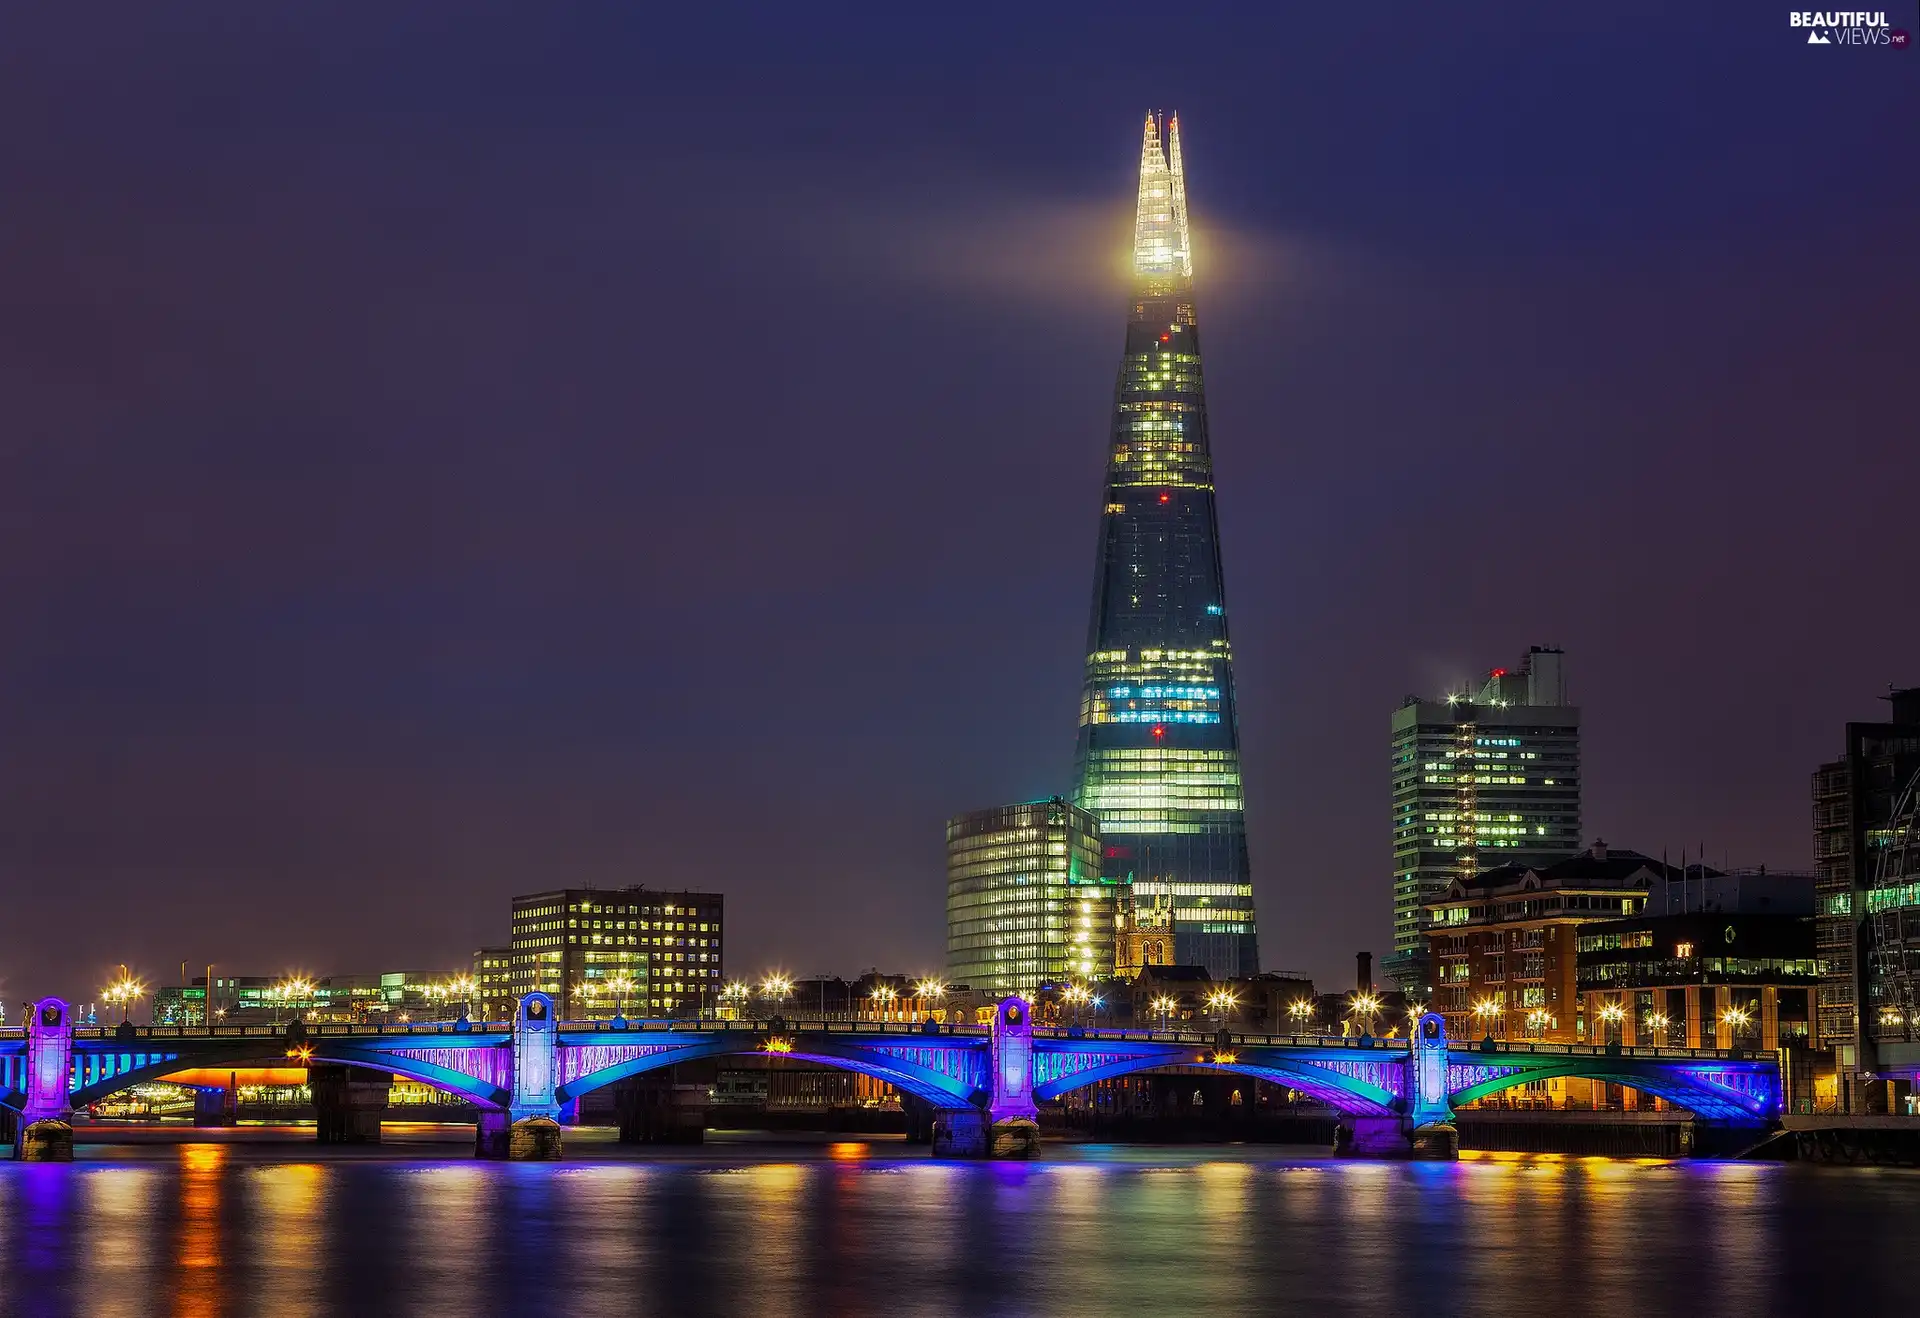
{"type": "Point", "coordinates": [1503, 943]}
{"type": "Point", "coordinates": [1017, 877]}
{"type": "Point", "coordinates": [1712, 978]}
{"type": "Point", "coordinates": [602, 952]}
{"type": "Point", "coordinates": [1158, 754]}
{"type": "Point", "coordinates": [493, 984]}
{"type": "Point", "coordinates": [1867, 919]}
{"type": "Point", "coordinates": [1482, 779]}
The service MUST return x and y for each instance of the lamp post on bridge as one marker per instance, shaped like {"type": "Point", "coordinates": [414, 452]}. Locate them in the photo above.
{"type": "Point", "coordinates": [1612, 1016]}
{"type": "Point", "coordinates": [1301, 1010]}
{"type": "Point", "coordinates": [1163, 1007]}
{"type": "Point", "coordinates": [1222, 1001]}
{"type": "Point", "coordinates": [1656, 1024]}
{"type": "Point", "coordinates": [1486, 1009]}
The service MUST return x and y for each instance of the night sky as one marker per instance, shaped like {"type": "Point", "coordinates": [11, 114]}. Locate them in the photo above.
{"type": "Point", "coordinates": [463, 449]}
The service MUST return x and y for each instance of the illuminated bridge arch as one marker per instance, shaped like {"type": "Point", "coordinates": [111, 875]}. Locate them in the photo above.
{"type": "Point", "coordinates": [1716, 1089]}
{"type": "Point", "coordinates": [1358, 1081]}
{"type": "Point", "coordinates": [943, 1072]}
{"type": "Point", "coordinates": [474, 1070]}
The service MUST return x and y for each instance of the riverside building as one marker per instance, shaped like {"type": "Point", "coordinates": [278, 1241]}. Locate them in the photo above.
{"type": "Point", "coordinates": [1481, 780]}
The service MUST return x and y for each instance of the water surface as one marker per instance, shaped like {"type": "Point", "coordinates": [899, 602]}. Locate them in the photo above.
{"type": "Point", "coordinates": [252, 1227]}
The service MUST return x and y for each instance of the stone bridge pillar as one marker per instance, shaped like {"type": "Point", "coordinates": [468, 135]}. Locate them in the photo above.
{"type": "Point", "coordinates": [530, 1128]}
{"type": "Point", "coordinates": [348, 1102]}
{"type": "Point", "coordinates": [1424, 1127]}
{"type": "Point", "coordinates": [1010, 1126]}
{"type": "Point", "coordinates": [45, 1125]}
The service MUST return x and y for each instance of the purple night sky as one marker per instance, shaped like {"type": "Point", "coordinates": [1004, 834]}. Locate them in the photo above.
{"type": "Point", "coordinates": [505, 446]}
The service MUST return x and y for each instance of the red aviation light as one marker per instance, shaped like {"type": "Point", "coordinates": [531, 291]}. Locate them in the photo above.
{"type": "Point", "coordinates": [1165, 497]}
{"type": "Point", "coordinates": [1499, 672]}
{"type": "Point", "coordinates": [1166, 338]}
{"type": "Point", "coordinates": [1159, 731]}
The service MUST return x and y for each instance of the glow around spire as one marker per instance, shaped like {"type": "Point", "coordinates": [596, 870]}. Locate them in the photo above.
{"type": "Point", "coordinates": [1161, 246]}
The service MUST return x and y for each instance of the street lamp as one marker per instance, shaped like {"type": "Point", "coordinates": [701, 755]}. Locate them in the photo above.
{"type": "Point", "coordinates": [735, 995]}
{"type": "Point", "coordinates": [1536, 1023]}
{"type": "Point", "coordinates": [1736, 1022]}
{"type": "Point", "coordinates": [620, 984]}
{"type": "Point", "coordinates": [1301, 1010]}
{"type": "Point", "coordinates": [1613, 1014]}
{"type": "Point", "coordinates": [930, 990]}
{"type": "Point", "coordinates": [124, 991]}
{"type": "Point", "coordinates": [1163, 1008]}
{"type": "Point", "coordinates": [1487, 1009]}
{"type": "Point", "coordinates": [462, 987]}
{"type": "Point", "coordinates": [883, 996]}
{"type": "Point", "coordinates": [1657, 1027]}
{"type": "Point", "coordinates": [1223, 1001]}
{"type": "Point", "coordinates": [776, 987]}
{"type": "Point", "coordinates": [1365, 1008]}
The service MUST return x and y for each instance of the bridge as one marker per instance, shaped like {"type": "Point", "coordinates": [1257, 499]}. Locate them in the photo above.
{"type": "Point", "coordinates": [1396, 1096]}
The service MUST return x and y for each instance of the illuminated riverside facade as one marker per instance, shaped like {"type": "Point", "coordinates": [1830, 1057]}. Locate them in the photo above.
{"type": "Point", "coordinates": [1017, 879]}
{"type": "Point", "coordinates": [603, 952]}
{"type": "Point", "coordinates": [1480, 780]}
{"type": "Point", "coordinates": [1158, 757]}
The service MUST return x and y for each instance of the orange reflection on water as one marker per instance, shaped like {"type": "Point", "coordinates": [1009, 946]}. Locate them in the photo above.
{"type": "Point", "coordinates": [849, 1152]}
{"type": "Point", "coordinates": [200, 1289]}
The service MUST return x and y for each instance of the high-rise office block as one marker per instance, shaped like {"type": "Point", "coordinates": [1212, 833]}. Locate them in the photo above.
{"type": "Point", "coordinates": [1158, 756]}
{"type": "Point", "coordinates": [603, 951]}
{"type": "Point", "coordinates": [1016, 876]}
{"type": "Point", "coordinates": [1480, 779]}
{"type": "Point", "coordinates": [1866, 985]}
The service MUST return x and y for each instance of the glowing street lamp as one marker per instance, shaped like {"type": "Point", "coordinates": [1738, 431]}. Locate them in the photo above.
{"type": "Point", "coordinates": [776, 987]}
{"type": "Point", "coordinates": [461, 988]}
{"type": "Point", "coordinates": [1163, 1007]}
{"type": "Point", "coordinates": [1301, 1010]}
{"type": "Point", "coordinates": [1736, 1022]}
{"type": "Point", "coordinates": [1613, 1014]}
{"type": "Point", "coordinates": [735, 995]}
{"type": "Point", "coordinates": [1536, 1023]}
{"type": "Point", "coordinates": [1487, 1009]}
{"type": "Point", "coordinates": [125, 991]}
{"type": "Point", "coordinates": [1365, 1008]}
{"type": "Point", "coordinates": [620, 983]}
{"type": "Point", "coordinates": [1657, 1027]}
{"type": "Point", "coordinates": [883, 996]}
{"type": "Point", "coordinates": [1223, 1001]}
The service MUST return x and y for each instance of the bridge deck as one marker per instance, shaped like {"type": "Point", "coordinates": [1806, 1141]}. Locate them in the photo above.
{"type": "Point", "coordinates": [109, 1035]}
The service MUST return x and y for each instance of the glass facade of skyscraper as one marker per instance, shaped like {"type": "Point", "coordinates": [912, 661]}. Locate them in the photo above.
{"type": "Point", "coordinates": [1015, 876]}
{"type": "Point", "coordinates": [1158, 759]}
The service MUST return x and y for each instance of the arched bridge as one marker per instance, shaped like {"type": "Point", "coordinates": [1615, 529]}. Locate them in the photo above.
{"type": "Point", "coordinates": [982, 1082]}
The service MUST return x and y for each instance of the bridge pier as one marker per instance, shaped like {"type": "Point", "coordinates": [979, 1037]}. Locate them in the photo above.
{"type": "Point", "coordinates": [662, 1107]}
{"type": "Point", "coordinates": [529, 1130]}
{"type": "Point", "coordinates": [45, 1121]}
{"type": "Point", "coordinates": [348, 1103]}
{"type": "Point", "coordinates": [216, 1107]}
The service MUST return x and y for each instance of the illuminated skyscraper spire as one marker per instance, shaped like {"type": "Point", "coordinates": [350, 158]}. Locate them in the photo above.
{"type": "Point", "coordinates": [1162, 250]}
{"type": "Point", "coordinates": [1158, 760]}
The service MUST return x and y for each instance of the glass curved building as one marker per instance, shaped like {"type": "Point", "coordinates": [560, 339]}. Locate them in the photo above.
{"type": "Point", "coordinates": [1158, 757]}
{"type": "Point", "coordinates": [1016, 875]}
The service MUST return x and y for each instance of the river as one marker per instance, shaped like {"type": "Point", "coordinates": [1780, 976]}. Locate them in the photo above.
{"type": "Point", "coordinates": [256, 1225]}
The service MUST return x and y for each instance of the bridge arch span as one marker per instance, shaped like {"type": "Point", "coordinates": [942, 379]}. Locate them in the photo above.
{"type": "Point", "coordinates": [944, 1075]}
{"type": "Point", "coordinates": [1733, 1092]}
{"type": "Point", "coordinates": [481, 1090]}
{"type": "Point", "coordinates": [1359, 1085]}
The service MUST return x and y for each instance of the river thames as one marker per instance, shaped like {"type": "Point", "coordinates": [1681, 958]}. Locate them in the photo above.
{"type": "Point", "coordinates": [253, 1226]}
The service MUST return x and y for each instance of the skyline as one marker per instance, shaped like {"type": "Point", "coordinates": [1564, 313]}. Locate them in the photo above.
{"type": "Point", "coordinates": [346, 567]}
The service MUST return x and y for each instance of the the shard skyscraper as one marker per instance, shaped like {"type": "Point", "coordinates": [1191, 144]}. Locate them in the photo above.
{"type": "Point", "coordinates": [1158, 760]}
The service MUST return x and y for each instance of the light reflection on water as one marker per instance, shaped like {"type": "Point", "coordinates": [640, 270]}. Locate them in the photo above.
{"type": "Point", "coordinates": [206, 1231]}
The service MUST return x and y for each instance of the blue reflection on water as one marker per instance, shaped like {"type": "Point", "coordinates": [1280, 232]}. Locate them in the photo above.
{"type": "Point", "coordinates": [199, 1231]}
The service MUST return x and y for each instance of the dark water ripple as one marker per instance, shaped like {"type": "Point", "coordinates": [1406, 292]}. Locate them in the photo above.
{"type": "Point", "coordinates": [207, 1230]}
